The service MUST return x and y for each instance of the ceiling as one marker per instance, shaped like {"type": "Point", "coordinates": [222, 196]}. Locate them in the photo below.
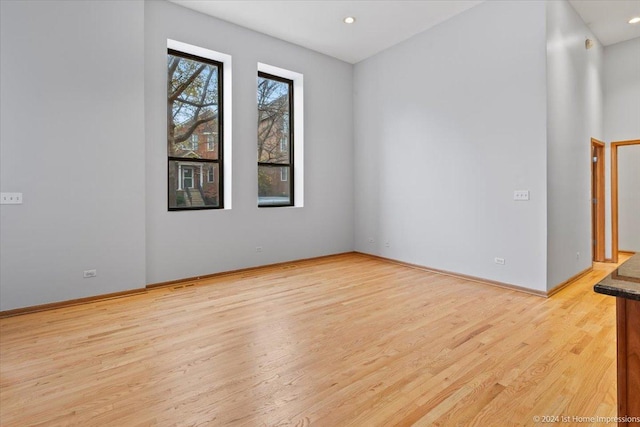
{"type": "Point", "coordinates": [380, 24]}
{"type": "Point", "coordinates": [318, 24]}
{"type": "Point", "coordinates": [609, 19]}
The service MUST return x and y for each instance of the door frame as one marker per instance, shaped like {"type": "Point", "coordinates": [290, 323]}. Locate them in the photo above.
{"type": "Point", "coordinates": [597, 199]}
{"type": "Point", "coordinates": [614, 194]}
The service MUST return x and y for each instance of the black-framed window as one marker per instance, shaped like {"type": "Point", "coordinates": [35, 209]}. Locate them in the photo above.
{"type": "Point", "coordinates": [194, 114]}
{"type": "Point", "coordinates": [275, 141]}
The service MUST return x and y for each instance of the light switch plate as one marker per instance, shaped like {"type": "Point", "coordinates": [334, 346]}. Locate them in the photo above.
{"type": "Point", "coordinates": [10, 198]}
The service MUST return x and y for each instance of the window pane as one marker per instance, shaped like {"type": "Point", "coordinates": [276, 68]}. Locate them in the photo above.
{"type": "Point", "coordinates": [193, 184]}
{"type": "Point", "coordinates": [272, 188]}
{"type": "Point", "coordinates": [193, 103]}
{"type": "Point", "coordinates": [273, 121]}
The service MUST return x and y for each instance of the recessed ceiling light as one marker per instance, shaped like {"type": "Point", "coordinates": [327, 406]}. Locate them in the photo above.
{"type": "Point", "coordinates": [349, 20]}
{"type": "Point", "coordinates": [634, 20]}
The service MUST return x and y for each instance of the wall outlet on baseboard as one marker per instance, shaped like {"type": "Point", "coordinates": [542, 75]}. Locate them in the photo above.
{"type": "Point", "coordinates": [89, 273]}
{"type": "Point", "coordinates": [499, 261]}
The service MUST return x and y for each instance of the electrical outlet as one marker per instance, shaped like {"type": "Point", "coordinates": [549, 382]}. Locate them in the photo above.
{"type": "Point", "coordinates": [521, 195]}
{"type": "Point", "coordinates": [90, 273]}
{"type": "Point", "coordinates": [387, 244]}
{"type": "Point", "coordinates": [499, 261]}
{"type": "Point", "coordinates": [577, 255]}
{"type": "Point", "coordinates": [11, 198]}
{"type": "Point", "coordinates": [372, 240]}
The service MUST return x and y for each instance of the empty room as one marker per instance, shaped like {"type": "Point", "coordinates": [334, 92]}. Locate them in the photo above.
{"type": "Point", "coordinates": [319, 213]}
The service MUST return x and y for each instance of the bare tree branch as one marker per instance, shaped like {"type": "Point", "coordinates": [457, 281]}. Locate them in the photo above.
{"type": "Point", "coordinates": [184, 85]}
{"type": "Point", "coordinates": [195, 104]}
{"type": "Point", "coordinates": [190, 129]}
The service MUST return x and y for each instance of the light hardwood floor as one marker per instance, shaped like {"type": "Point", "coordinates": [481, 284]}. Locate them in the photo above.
{"type": "Point", "coordinates": [340, 341]}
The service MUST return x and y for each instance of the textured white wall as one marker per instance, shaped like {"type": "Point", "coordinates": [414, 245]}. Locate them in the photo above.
{"type": "Point", "coordinates": [72, 141]}
{"type": "Point", "coordinates": [575, 102]}
{"type": "Point", "coordinates": [183, 244]}
{"type": "Point", "coordinates": [447, 125]}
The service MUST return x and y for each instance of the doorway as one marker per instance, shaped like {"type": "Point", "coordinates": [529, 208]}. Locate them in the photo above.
{"type": "Point", "coordinates": [614, 194]}
{"type": "Point", "coordinates": [597, 199]}
{"type": "Point", "coordinates": [187, 177]}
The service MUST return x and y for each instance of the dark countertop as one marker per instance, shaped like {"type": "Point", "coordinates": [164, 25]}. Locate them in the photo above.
{"type": "Point", "coordinates": [624, 281]}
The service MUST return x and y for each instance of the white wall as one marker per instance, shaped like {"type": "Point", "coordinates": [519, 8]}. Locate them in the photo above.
{"type": "Point", "coordinates": [72, 141]}
{"type": "Point", "coordinates": [81, 84]}
{"type": "Point", "coordinates": [622, 122]}
{"type": "Point", "coordinates": [184, 244]}
{"type": "Point", "coordinates": [629, 198]}
{"type": "Point", "coordinates": [622, 91]}
{"type": "Point", "coordinates": [447, 125]}
{"type": "Point", "coordinates": [575, 99]}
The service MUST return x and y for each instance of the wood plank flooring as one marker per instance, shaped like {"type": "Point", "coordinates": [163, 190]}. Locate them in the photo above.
{"type": "Point", "coordinates": [340, 341]}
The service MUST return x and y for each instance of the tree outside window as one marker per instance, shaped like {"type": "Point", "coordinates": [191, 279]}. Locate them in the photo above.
{"type": "Point", "coordinates": [194, 113]}
{"type": "Point", "coordinates": [275, 141]}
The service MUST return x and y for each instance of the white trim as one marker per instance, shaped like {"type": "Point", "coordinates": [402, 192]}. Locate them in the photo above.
{"type": "Point", "coordinates": [298, 126]}
{"type": "Point", "coordinates": [226, 101]}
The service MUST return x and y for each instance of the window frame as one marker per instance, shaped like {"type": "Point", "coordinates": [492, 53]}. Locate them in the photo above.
{"type": "Point", "coordinates": [220, 128]}
{"type": "Point", "coordinates": [210, 142]}
{"type": "Point", "coordinates": [290, 141]}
